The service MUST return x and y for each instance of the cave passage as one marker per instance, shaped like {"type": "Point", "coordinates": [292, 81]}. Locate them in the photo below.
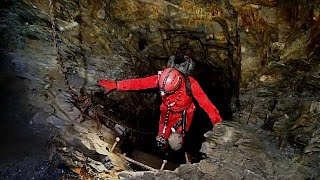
{"type": "Point", "coordinates": [215, 84]}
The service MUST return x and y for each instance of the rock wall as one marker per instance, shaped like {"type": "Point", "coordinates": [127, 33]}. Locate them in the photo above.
{"type": "Point", "coordinates": [122, 39]}
{"type": "Point", "coordinates": [266, 51]}
{"type": "Point", "coordinates": [280, 72]}
{"type": "Point", "coordinates": [236, 152]}
{"type": "Point", "coordinates": [273, 32]}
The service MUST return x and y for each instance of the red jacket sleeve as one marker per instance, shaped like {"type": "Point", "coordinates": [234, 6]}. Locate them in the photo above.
{"type": "Point", "coordinates": [137, 84]}
{"type": "Point", "coordinates": [204, 101]}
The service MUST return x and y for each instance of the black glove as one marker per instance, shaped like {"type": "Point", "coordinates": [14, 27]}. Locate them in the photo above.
{"type": "Point", "coordinates": [95, 88]}
{"type": "Point", "coordinates": [218, 130]}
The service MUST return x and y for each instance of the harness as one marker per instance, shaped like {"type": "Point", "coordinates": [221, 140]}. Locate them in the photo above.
{"type": "Point", "coordinates": [185, 69]}
{"type": "Point", "coordinates": [169, 105]}
{"type": "Point", "coordinates": [183, 121]}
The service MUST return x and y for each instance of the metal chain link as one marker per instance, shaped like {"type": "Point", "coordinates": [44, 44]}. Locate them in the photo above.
{"type": "Point", "coordinates": [57, 48]}
{"type": "Point", "coordinates": [53, 25]}
{"type": "Point", "coordinates": [56, 44]}
{"type": "Point", "coordinates": [55, 41]}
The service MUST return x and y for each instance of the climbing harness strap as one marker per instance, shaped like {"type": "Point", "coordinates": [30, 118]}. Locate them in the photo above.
{"type": "Point", "coordinates": [182, 122]}
{"type": "Point", "coordinates": [169, 105]}
{"type": "Point", "coordinates": [188, 85]}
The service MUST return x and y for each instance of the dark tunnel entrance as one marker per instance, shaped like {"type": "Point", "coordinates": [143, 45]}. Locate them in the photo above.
{"type": "Point", "coordinates": [141, 145]}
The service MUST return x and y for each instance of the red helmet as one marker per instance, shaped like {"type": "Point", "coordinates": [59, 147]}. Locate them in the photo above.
{"type": "Point", "coordinates": [169, 81]}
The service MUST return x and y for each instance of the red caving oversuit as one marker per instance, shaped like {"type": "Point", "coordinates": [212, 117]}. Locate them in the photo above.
{"type": "Point", "coordinates": [180, 100]}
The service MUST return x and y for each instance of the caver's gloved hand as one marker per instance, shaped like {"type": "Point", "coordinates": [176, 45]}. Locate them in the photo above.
{"type": "Point", "coordinates": [219, 128]}
{"type": "Point", "coordinates": [91, 89]}
{"type": "Point", "coordinates": [109, 85]}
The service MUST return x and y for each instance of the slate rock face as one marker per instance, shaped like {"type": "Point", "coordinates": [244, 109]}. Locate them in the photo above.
{"type": "Point", "coordinates": [121, 39]}
{"type": "Point", "coordinates": [280, 70]}
{"type": "Point", "coordinates": [236, 152]}
{"type": "Point", "coordinates": [258, 58]}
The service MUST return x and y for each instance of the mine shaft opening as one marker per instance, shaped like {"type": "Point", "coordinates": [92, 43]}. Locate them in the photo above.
{"type": "Point", "coordinates": [140, 144]}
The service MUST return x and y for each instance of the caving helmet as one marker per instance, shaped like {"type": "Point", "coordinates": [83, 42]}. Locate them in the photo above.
{"type": "Point", "coordinates": [170, 81]}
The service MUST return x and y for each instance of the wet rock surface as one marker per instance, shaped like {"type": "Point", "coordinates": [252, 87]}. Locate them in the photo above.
{"type": "Point", "coordinates": [26, 140]}
{"type": "Point", "coordinates": [57, 123]}
{"type": "Point", "coordinates": [236, 152]}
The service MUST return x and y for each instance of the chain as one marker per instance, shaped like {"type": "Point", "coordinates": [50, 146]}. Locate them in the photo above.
{"type": "Point", "coordinates": [53, 26]}
{"type": "Point", "coordinates": [56, 46]}
{"type": "Point", "coordinates": [55, 41]}
{"type": "Point", "coordinates": [60, 62]}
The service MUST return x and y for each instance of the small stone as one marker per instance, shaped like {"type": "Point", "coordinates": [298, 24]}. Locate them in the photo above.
{"type": "Point", "coordinates": [286, 116]}
{"type": "Point", "coordinates": [98, 166]}
{"type": "Point", "coordinates": [101, 13]}
{"type": "Point", "coordinates": [57, 122]}
{"type": "Point", "coordinates": [46, 87]}
{"type": "Point", "coordinates": [120, 129]}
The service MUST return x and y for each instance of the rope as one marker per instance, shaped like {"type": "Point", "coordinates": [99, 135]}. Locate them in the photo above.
{"type": "Point", "coordinates": [127, 127]}
{"type": "Point", "coordinates": [137, 163]}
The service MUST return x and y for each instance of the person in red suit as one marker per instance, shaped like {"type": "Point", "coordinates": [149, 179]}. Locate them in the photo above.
{"type": "Point", "coordinates": [177, 107]}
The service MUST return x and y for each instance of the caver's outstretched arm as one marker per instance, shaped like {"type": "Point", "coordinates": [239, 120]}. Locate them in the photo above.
{"type": "Point", "coordinates": [130, 84]}
{"type": "Point", "coordinates": [204, 102]}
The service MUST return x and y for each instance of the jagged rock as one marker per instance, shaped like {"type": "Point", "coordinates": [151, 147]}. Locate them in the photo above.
{"type": "Point", "coordinates": [64, 25]}
{"type": "Point", "coordinates": [91, 167]}
{"type": "Point", "coordinates": [148, 175]}
{"type": "Point", "coordinates": [85, 137]}
{"type": "Point", "coordinates": [188, 171]}
{"type": "Point", "coordinates": [66, 110]}
{"type": "Point", "coordinates": [57, 122]}
{"type": "Point", "coordinates": [279, 53]}
{"type": "Point", "coordinates": [98, 166]}
{"type": "Point", "coordinates": [40, 118]}
{"type": "Point", "coordinates": [99, 145]}
{"type": "Point", "coordinates": [120, 129]}
{"type": "Point", "coordinates": [250, 157]}
{"type": "Point", "coordinates": [101, 13]}
{"type": "Point", "coordinates": [225, 135]}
